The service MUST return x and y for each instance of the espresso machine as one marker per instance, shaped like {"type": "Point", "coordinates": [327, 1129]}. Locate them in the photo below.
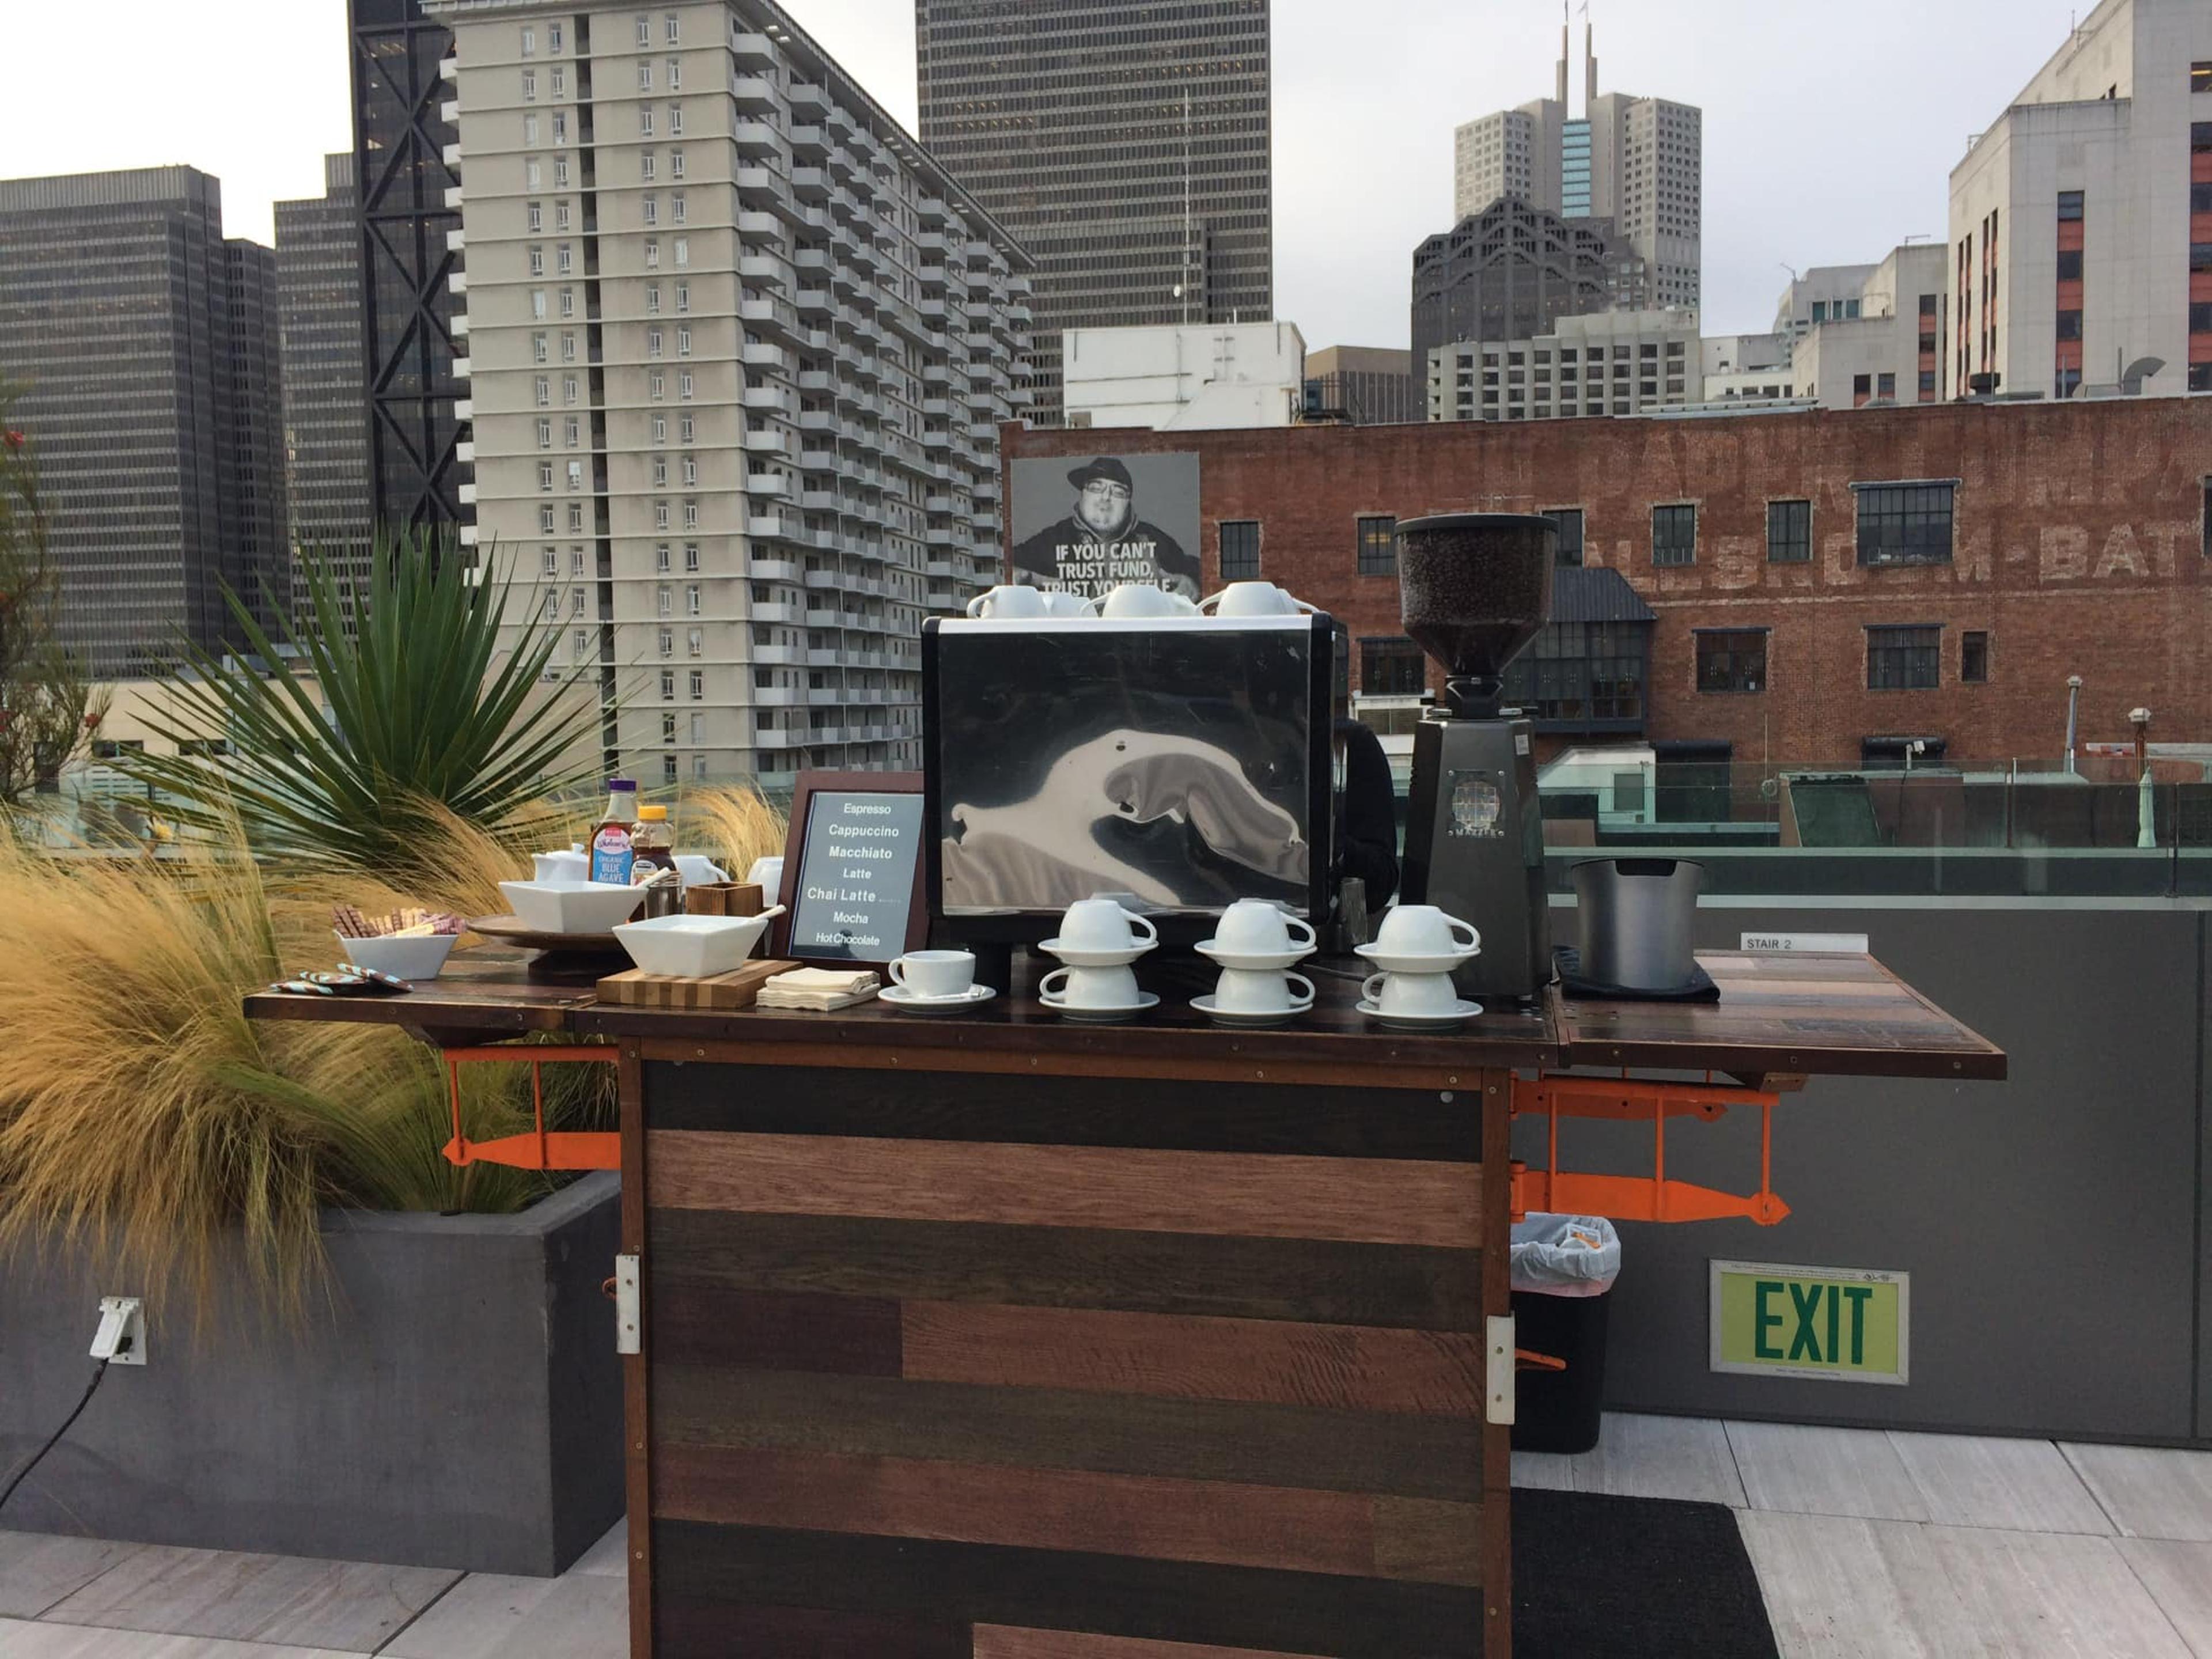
{"type": "Point", "coordinates": [1476, 588]}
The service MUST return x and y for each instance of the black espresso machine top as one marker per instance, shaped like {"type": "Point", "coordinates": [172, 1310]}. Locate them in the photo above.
{"type": "Point", "coordinates": [1179, 763]}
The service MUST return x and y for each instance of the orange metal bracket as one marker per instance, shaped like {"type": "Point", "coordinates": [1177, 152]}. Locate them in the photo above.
{"type": "Point", "coordinates": [1641, 1198]}
{"type": "Point", "coordinates": [539, 1150]}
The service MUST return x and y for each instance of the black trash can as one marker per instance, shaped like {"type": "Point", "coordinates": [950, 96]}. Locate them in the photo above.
{"type": "Point", "coordinates": [1558, 1411]}
{"type": "Point", "coordinates": [1564, 1268]}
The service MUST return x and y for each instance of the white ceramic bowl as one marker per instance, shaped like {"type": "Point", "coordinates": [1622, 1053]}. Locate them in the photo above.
{"type": "Point", "coordinates": [694, 947]}
{"type": "Point", "coordinates": [570, 907]}
{"type": "Point", "coordinates": [403, 958]}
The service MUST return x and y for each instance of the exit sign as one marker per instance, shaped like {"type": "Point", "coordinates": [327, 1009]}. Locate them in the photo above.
{"type": "Point", "coordinates": [1844, 1324]}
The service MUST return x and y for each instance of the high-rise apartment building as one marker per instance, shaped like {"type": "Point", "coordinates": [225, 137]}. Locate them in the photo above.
{"type": "Point", "coordinates": [407, 168]}
{"type": "Point", "coordinates": [1637, 161]}
{"type": "Point", "coordinates": [148, 346]}
{"type": "Point", "coordinates": [1512, 271]}
{"type": "Point", "coordinates": [1125, 146]}
{"type": "Point", "coordinates": [319, 292]}
{"type": "Point", "coordinates": [738, 350]}
{"type": "Point", "coordinates": [2081, 219]}
{"type": "Point", "coordinates": [1607, 362]}
{"type": "Point", "coordinates": [1363, 385]}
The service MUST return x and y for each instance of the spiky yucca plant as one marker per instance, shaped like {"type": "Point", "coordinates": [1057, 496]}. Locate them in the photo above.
{"type": "Point", "coordinates": [433, 707]}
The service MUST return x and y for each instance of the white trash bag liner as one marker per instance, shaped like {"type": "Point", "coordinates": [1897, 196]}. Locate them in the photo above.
{"type": "Point", "coordinates": [1565, 1255]}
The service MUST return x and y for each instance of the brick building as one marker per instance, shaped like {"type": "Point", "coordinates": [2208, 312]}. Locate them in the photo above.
{"type": "Point", "coordinates": [1821, 586]}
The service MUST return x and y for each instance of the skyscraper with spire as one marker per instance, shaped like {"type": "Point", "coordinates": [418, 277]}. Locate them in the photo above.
{"type": "Point", "coordinates": [1636, 161]}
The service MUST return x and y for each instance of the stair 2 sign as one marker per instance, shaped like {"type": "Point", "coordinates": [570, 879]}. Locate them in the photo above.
{"type": "Point", "coordinates": [1844, 1324]}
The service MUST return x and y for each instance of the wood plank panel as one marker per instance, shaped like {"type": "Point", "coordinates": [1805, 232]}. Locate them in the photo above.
{"type": "Point", "coordinates": [1250, 1607]}
{"type": "Point", "coordinates": [1269, 1361]}
{"type": "Point", "coordinates": [1319, 1281]}
{"type": "Point", "coordinates": [855, 1336]}
{"type": "Point", "coordinates": [691, 1628]}
{"type": "Point", "coordinates": [1085, 1111]}
{"type": "Point", "coordinates": [1396, 1454]}
{"type": "Point", "coordinates": [1372, 1200]}
{"type": "Point", "coordinates": [1153, 1517]}
{"type": "Point", "coordinates": [1004, 1642]}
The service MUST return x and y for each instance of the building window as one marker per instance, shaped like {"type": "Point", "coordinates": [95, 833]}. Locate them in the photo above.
{"type": "Point", "coordinates": [1570, 522]}
{"type": "Point", "coordinates": [530, 85]}
{"type": "Point", "coordinates": [1240, 550]}
{"type": "Point", "coordinates": [645, 124]}
{"type": "Point", "coordinates": [691, 556]}
{"type": "Point", "coordinates": [2069, 324]}
{"type": "Point", "coordinates": [694, 641]}
{"type": "Point", "coordinates": [698, 684]}
{"type": "Point", "coordinates": [690, 469]}
{"type": "Point", "coordinates": [690, 515]}
{"type": "Point", "coordinates": [1904, 659]}
{"type": "Point", "coordinates": [560, 173]}
{"type": "Point", "coordinates": [529, 43]}
{"type": "Point", "coordinates": [692, 606]}
{"type": "Point", "coordinates": [1905, 524]}
{"type": "Point", "coordinates": [1790, 532]}
{"type": "Point", "coordinates": [668, 685]}
{"type": "Point", "coordinates": [545, 475]}
{"type": "Point", "coordinates": [683, 296]}
{"type": "Point", "coordinates": [648, 166]}
{"type": "Point", "coordinates": [683, 387]}
{"type": "Point", "coordinates": [553, 37]}
{"type": "Point", "coordinates": [652, 299]}
{"type": "Point", "coordinates": [1674, 535]}
{"type": "Point", "coordinates": [676, 163]}
{"type": "Point", "coordinates": [2070, 271]}
{"type": "Point", "coordinates": [683, 342]}
{"type": "Point", "coordinates": [1583, 677]}
{"type": "Point", "coordinates": [1392, 668]}
{"type": "Point", "coordinates": [667, 641]}
{"type": "Point", "coordinates": [659, 471]}
{"type": "Point", "coordinates": [652, 253]}
{"type": "Point", "coordinates": [644, 30]}
{"type": "Point", "coordinates": [545, 432]}
{"type": "Point", "coordinates": [651, 206]}
{"type": "Point", "coordinates": [1731, 660]}
{"type": "Point", "coordinates": [550, 562]}
{"type": "Point", "coordinates": [1377, 545]}
{"type": "Point", "coordinates": [660, 558]}
{"type": "Point", "coordinates": [1974, 658]}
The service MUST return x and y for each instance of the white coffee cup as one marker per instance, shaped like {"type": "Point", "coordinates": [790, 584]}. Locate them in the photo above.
{"type": "Point", "coordinates": [1412, 994]}
{"type": "Point", "coordinates": [1100, 924]}
{"type": "Point", "coordinates": [1259, 927]}
{"type": "Point", "coordinates": [1061, 603]}
{"type": "Point", "coordinates": [1090, 988]}
{"type": "Point", "coordinates": [1008, 601]}
{"type": "Point", "coordinates": [767, 874]}
{"type": "Point", "coordinates": [1145, 599]}
{"type": "Point", "coordinates": [561, 866]}
{"type": "Point", "coordinates": [936, 975]}
{"type": "Point", "coordinates": [1423, 930]}
{"type": "Point", "coordinates": [1253, 599]}
{"type": "Point", "coordinates": [1262, 991]}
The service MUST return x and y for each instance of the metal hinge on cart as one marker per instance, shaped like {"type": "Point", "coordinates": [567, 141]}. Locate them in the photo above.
{"type": "Point", "coordinates": [1640, 1198]}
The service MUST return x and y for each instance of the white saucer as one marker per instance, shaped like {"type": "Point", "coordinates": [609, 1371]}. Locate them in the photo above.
{"type": "Point", "coordinates": [1102, 1014]}
{"type": "Point", "coordinates": [1465, 1012]}
{"type": "Point", "coordinates": [1226, 1016]}
{"type": "Point", "coordinates": [900, 997]}
{"type": "Point", "coordinates": [1396, 961]}
{"type": "Point", "coordinates": [1076, 955]}
{"type": "Point", "coordinates": [1258, 961]}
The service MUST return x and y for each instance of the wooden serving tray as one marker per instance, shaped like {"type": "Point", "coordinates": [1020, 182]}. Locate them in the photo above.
{"type": "Point", "coordinates": [510, 930]}
{"type": "Point", "coordinates": [737, 989]}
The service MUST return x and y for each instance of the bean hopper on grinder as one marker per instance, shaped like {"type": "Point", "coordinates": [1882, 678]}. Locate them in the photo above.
{"type": "Point", "coordinates": [1476, 589]}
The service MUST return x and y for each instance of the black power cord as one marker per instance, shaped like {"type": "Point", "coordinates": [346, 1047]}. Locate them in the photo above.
{"type": "Point", "coordinates": [54, 1440]}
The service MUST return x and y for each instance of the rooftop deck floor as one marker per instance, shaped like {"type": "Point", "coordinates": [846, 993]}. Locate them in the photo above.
{"type": "Point", "coordinates": [1866, 1543]}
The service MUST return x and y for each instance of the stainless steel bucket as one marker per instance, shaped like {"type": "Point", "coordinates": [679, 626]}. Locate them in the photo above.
{"type": "Point", "coordinates": [1639, 921]}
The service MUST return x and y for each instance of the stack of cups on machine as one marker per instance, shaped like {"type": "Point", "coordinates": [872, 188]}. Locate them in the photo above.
{"type": "Point", "coordinates": [1255, 947]}
{"type": "Point", "coordinates": [1098, 941]}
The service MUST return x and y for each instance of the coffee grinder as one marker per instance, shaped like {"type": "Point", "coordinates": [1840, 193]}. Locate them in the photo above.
{"type": "Point", "coordinates": [1476, 588]}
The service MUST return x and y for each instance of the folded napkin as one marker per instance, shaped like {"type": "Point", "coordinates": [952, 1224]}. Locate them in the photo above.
{"type": "Point", "coordinates": [817, 990]}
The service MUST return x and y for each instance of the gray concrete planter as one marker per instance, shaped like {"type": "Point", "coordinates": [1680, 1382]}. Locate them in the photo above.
{"type": "Point", "coordinates": [459, 1406]}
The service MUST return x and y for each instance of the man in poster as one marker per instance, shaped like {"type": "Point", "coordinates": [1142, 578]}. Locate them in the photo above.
{"type": "Point", "coordinates": [1103, 543]}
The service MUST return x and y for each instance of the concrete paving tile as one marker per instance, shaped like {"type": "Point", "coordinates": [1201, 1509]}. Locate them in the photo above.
{"type": "Point", "coordinates": [1552, 1471]}
{"type": "Point", "coordinates": [577, 1617]}
{"type": "Point", "coordinates": [610, 1556]}
{"type": "Point", "coordinates": [43, 1640]}
{"type": "Point", "coordinates": [1847, 1588]}
{"type": "Point", "coordinates": [2018, 1486]}
{"type": "Point", "coordinates": [1685, 1458]}
{"type": "Point", "coordinates": [39, 1568]}
{"type": "Point", "coordinates": [2150, 1491]}
{"type": "Point", "coordinates": [1812, 1471]}
{"type": "Point", "coordinates": [2179, 1579]}
{"type": "Point", "coordinates": [353, 1607]}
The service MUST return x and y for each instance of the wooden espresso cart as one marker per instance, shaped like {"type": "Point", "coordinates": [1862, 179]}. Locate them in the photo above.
{"type": "Point", "coordinates": [990, 1334]}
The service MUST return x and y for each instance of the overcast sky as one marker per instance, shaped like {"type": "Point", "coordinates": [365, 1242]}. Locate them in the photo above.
{"type": "Point", "coordinates": [1830, 131]}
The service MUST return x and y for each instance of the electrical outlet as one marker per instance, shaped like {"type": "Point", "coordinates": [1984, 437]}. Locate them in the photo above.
{"type": "Point", "coordinates": [121, 1338]}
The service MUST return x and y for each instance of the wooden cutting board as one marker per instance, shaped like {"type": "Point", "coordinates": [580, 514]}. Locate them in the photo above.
{"type": "Point", "coordinates": [639, 989]}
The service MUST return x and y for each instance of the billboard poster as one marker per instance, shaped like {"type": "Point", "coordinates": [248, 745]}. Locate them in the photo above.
{"type": "Point", "coordinates": [1087, 523]}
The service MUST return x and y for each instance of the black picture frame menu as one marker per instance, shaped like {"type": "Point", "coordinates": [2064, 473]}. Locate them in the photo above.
{"type": "Point", "coordinates": [874, 807]}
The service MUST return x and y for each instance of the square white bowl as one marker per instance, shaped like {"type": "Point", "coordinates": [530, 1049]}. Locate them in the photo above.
{"type": "Point", "coordinates": [418, 957]}
{"type": "Point", "coordinates": [571, 907]}
{"type": "Point", "coordinates": [692, 947]}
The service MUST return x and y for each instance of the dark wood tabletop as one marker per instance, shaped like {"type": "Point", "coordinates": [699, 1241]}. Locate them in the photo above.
{"type": "Point", "coordinates": [1809, 1015]}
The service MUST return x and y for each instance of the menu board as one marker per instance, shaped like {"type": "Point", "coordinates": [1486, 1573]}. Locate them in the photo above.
{"type": "Point", "coordinates": [852, 872]}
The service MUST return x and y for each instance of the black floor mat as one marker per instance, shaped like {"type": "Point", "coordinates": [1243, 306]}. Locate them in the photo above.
{"type": "Point", "coordinates": [1597, 1577]}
